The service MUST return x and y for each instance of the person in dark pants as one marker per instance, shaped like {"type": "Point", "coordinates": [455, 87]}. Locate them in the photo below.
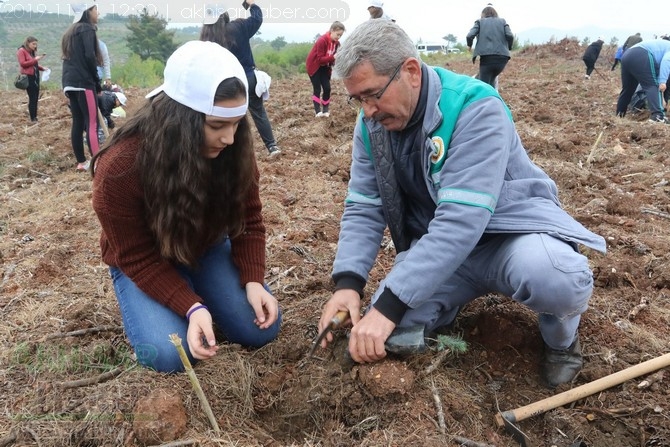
{"type": "Point", "coordinates": [647, 64]}
{"type": "Point", "coordinates": [81, 57]}
{"type": "Point", "coordinates": [30, 66]}
{"type": "Point", "coordinates": [319, 66]}
{"type": "Point", "coordinates": [591, 56]}
{"type": "Point", "coordinates": [494, 40]}
{"type": "Point", "coordinates": [235, 36]}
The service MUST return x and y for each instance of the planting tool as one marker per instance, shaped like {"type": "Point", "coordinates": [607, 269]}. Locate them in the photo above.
{"type": "Point", "coordinates": [335, 323]}
{"type": "Point", "coordinates": [507, 418]}
{"type": "Point", "coordinates": [402, 341]}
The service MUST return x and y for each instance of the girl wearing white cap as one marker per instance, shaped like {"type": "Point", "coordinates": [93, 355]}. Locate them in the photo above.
{"type": "Point", "coordinates": [176, 192]}
{"type": "Point", "coordinates": [81, 57]}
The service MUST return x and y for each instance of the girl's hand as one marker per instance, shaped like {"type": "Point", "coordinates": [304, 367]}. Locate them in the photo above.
{"type": "Point", "coordinates": [200, 334]}
{"type": "Point", "coordinates": [264, 304]}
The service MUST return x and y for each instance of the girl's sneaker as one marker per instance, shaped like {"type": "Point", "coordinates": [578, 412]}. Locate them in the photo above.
{"type": "Point", "coordinates": [83, 166]}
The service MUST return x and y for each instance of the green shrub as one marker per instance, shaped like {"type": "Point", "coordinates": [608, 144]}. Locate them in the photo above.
{"type": "Point", "coordinates": [283, 63]}
{"type": "Point", "coordinates": [138, 73]}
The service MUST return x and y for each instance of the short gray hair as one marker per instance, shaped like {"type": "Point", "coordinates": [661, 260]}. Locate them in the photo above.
{"type": "Point", "coordinates": [380, 42]}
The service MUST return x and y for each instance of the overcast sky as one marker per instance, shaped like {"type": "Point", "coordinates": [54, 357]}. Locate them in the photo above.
{"type": "Point", "coordinates": [428, 20]}
{"type": "Point", "coordinates": [433, 19]}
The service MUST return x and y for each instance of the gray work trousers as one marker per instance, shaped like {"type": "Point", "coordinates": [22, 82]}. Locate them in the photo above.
{"type": "Point", "coordinates": [537, 270]}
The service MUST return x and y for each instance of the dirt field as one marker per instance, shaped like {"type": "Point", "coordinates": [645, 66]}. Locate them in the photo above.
{"type": "Point", "coordinates": [64, 388]}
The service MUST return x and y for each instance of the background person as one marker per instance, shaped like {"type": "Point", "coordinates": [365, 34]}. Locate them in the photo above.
{"type": "Point", "coordinates": [105, 70]}
{"type": "Point", "coordinates": [319, 65]}
{"type": "Point", "coordinates": [647, 64]}
{"type": "Point", "coordinates": [186, 247]}
{"type": "Point", "coordinates": [494, 40]}
{"type": "Point", "coordinates": [591, 56]}
{"type": "Point", "coordinates": [632, 40]}
{"type": "Point", "coordinates": [617, 57]}
{"type": "Point", "coordinates": [107, 102]}
{"type": "Point", "coordinates": [484, 219]}
{"type": "Point", "coordinates": [376, 9]}
{"type": "Point", "coordinates": [235, 36]}
{"type": "Point", "coordinates": [81, 58]}
{"type": "Point", "coordinates": [30, 66]}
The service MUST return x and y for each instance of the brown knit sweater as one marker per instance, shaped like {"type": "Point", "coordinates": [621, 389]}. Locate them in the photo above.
{"type": "Point", "coordinates": [127, 242]}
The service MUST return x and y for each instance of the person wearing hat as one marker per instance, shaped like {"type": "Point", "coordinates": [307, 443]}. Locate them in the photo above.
{"type": "Point", "coordinates": [81, 58]}
{"type": "Point", "coordinates": [375, 8]}
{"type": "Point", "coordinates": [107, 102]}
{"type": "Point", "coordinates": [176, 191]}
{"type": "Point", "coordinates": [234, 35]}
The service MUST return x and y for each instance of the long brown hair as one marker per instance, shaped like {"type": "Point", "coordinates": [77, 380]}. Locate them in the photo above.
{"type": "Point", "coordinates": [67, 42]}
{"type": "Point", "coordinates": [191, 201]}
{"type": "Point", "coordinates": [28, 41]}
{"type": "Point", "coordinates": [216, 32]}
{"type": "Point", "coordinates": [489, 11]}
{"type": "Point", "coordinates": [222, 31]}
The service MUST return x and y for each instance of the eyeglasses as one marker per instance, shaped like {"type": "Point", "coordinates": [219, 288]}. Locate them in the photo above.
{"type": "Point", "coordinates": [358, 101]}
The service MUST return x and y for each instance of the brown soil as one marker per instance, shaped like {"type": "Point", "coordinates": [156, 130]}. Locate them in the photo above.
{"type": "Point", "coordinates": [612, 175]}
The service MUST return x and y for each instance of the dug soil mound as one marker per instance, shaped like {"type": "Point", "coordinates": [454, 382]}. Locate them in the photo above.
{"type": "Point", "coordinates": [68, 377]}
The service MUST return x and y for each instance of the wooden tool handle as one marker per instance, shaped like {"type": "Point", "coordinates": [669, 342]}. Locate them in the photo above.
{"type": "Point", "coordinates": [338, 319]}
{"type": "Point", "coordinates": [587, 389]}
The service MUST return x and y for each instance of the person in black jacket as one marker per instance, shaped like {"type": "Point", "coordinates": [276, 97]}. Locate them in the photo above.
{"type": "Point", "coordinates": [633, 39]}
{"type": "Point", "coordinates": [81, 57]}
{"type": "Point", "coordinates": [234, 35]}
{"type": "Point", "coordinates": [591, 56]}
{"type": "Point", "coordinates": [494, 40]}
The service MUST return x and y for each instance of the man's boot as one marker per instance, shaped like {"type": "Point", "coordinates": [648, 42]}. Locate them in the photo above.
{"type": "Point", "coordinates": [561, 365]}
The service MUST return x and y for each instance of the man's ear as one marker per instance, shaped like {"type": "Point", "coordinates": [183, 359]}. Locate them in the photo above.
{"type": "Point", "coordinates": [413, 67]}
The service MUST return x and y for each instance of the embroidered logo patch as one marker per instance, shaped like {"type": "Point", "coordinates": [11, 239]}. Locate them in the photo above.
{"type": "Point", "coordinates": [438, 150]}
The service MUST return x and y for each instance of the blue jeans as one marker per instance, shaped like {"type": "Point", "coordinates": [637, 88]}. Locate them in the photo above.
{"type": "Point", "coordinates": [148, 323]}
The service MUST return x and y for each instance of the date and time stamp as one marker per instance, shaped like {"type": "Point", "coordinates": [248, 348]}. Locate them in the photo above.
{"type": "Point", "coordinates": [27, 10]}
{"type": "Point", "coordinates": [181, 11]}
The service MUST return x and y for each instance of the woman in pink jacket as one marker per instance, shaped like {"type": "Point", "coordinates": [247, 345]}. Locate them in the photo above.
{"type": "Point", "coordinates": [319, 66]}
{"type": "Point", "coordinates": [30, 66]}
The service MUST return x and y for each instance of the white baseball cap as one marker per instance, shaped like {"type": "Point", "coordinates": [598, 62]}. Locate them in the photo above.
{"type": "Point", "coordinates": [193, 73]}
{"type": "Point", "coordinates": [375, 3]}
{"type": "Point", "coordinates": [78, 9]}
{"type": "Point", "coordinates": [121, 97]}
{"type": "Point", "coordinates": [212, 13]}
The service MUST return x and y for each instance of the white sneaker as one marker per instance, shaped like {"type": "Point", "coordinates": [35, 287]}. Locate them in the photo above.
{"type": "Point", "coordinates": [325, 114]}
{"type": "Point", "coordinates": [84, 166]}
{"type": "Point", "coordinates": [319, 115]}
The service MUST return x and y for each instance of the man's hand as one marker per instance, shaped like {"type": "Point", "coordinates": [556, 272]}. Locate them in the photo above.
{"type": "Point", "coordinates": [200, 334]}
{"type": "Point", "coordinates": [366, 342]}
{"type": "Point", "coordinates": [344, 299]}
{"type": "Point", "coordinates": [264, 304]}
